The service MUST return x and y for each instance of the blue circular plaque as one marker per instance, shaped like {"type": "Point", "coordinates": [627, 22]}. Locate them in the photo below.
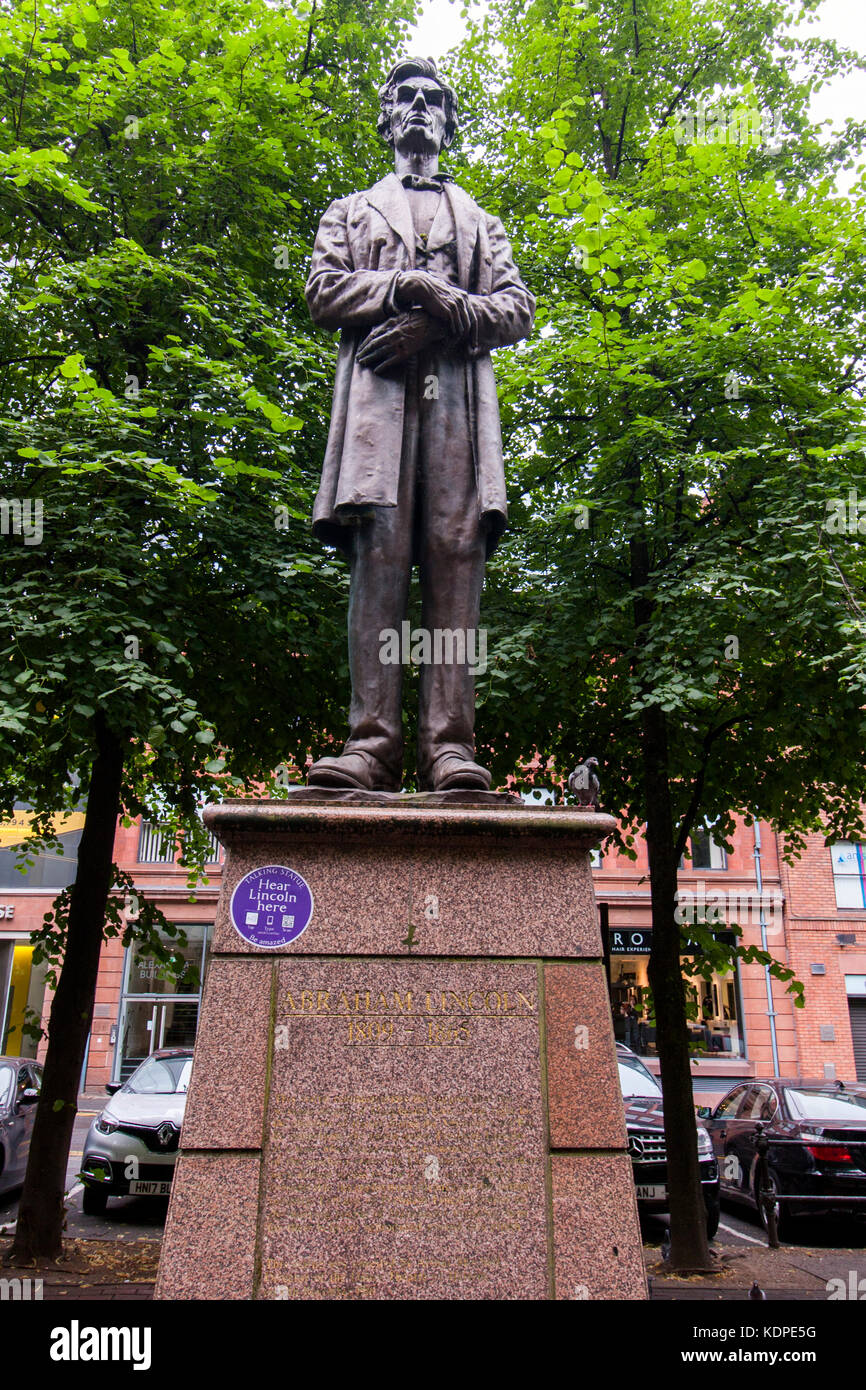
{"type": "Point", "coordinates": [271, 907]}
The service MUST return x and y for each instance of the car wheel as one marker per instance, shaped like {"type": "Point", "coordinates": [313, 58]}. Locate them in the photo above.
{"type": "Point", "coordinates": [714, 1213]}
{"type": "Point", "coordinates": [783, 1220]}
{"type": "Point", "coordinates": [94, 1201]}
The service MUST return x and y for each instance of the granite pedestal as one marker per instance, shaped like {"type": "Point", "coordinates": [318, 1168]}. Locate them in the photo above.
{"type": "Point", "coordinates": [417, 1097]}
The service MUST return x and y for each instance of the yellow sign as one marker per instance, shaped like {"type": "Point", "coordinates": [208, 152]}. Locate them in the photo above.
{"type": "Point", "coordinates": [17, 828]}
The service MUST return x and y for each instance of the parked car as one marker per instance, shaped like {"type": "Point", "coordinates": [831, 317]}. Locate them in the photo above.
{"type": "Point", "coordinates": [817, 1153]}
{"type": "Point", "coordinates": [644, 1122]}
{"type": "Point", "coordinates": [131, 1148]}
{"type": "Point", "coordinates": [20, 1084]}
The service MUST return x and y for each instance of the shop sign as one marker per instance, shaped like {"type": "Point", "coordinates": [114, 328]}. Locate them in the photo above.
{"type": "Point", "coordinates": [638, 941]}
{"type": "Point", "coordinates": [17, 826]}
{"type": "Point", "coordinates": [630, 942]}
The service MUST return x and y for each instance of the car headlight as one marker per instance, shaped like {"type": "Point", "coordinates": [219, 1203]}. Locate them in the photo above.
{"type": "Point", "coordinates": [705, 1143]}
{"type": "Point", "coordinates": [106, 1126]}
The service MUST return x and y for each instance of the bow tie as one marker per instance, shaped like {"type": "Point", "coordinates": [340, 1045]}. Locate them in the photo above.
{"type": "Point", "coordinates": [417, 181]}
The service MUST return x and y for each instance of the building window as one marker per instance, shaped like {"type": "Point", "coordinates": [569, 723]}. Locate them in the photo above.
{"type": "Point", "coordinates": [216, 850]}
{"type": "Point", "coordinates": [706, 854]}
{"type": "Point", "coordinates": [156, 846]}
{"type": "Point", "coordinates": [849, 874]}
{"type": "Point", "coordinates": [595, 858]}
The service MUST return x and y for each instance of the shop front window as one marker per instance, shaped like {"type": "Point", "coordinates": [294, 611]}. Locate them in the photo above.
{"type": "Point", "coordinates": [716, 1032]}
{"type": "Point", "coordinates": [22, 992]}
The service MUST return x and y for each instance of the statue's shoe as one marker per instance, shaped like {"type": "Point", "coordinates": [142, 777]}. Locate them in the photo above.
{"type": "Point", "coordinates": [357, 770]}
{"type": "Point", "coordinates": [450, 772]}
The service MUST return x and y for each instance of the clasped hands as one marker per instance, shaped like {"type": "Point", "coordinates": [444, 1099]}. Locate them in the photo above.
{"type": "Point", "coordinates": [434, 311]}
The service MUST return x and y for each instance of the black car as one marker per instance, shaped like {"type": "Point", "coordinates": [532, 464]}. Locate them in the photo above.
{"type": "Point", "coordinates": [20, 1084]}
{"type": "Point", "coordinates": [644, 1122]}
{"type": "Point", "coordinates": [817, 1154]}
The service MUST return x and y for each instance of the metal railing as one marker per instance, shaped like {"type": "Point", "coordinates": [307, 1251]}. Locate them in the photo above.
{"type": "Point", "coordinates": [158, 846]}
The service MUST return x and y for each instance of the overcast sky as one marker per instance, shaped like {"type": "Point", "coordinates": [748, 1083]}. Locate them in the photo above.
{"type": "Point", "coordinates": [843, 20]}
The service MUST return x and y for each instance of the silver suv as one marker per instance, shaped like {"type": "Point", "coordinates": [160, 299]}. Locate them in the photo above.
{"type": "Point", "coordinates": [131, 1148]}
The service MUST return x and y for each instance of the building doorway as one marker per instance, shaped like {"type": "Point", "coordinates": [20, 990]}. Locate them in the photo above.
{"type": "Point", "coordinates": [855, 987]}
{"type": "Point", "coordinates": [147, 1025]}
{"type": "Point", "coordinates": [158, 1010]}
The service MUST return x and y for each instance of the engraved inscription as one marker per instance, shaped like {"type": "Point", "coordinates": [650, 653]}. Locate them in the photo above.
{"type": "Point", "coordinates": [408, 1018]}
{"type": "Point", "coordinates": [405, 1153]}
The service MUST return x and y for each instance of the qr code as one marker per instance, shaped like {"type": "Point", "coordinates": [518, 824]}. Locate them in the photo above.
{"type": "Point", "coordinates": [288, 923]}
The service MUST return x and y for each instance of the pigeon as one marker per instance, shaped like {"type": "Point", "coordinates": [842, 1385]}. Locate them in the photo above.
{"type": "Point", "coordinates": [757, 1293]}
{"type": "Point", "coordinates": [584, 783]}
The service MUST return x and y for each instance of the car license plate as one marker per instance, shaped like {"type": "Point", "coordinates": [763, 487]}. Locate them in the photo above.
{"type": "Point", "coordinates": [651, 1192]}
{"type": "Point", "coordinates": [139, 1187]}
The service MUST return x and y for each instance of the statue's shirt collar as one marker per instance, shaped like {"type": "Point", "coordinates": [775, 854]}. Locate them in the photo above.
{"type": "Point", "coordinates": [424, 185]}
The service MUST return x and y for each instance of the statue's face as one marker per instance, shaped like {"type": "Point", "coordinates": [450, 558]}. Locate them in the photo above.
{"type": "Point", "coordinates": [418, 116]}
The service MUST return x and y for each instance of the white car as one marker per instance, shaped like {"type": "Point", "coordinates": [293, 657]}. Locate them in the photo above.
{"type": "Point", "coordinates": [131, 1148]}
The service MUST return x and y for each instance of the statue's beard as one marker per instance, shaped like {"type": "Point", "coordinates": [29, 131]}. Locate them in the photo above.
{"type": "Point", "coordinates": [417, 139]}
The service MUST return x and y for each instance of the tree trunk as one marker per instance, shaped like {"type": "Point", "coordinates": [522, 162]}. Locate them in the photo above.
{"type": "Point", "coordinates": [39, 1230]}
{"type": "Point", "coordinates": [689, 1242]}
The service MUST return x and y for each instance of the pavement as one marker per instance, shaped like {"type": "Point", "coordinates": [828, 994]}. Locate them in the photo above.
{"type": "Point", "coordinates": [90, 1270]}
{"type": "Point", "coordinates": [122, 1264]}
{"type": "Point", "coordinates": [102, 1270]}
{"type": "Point", "coordinates": [791, 1274]}
{"type": "Point", "coordinates": [826, 1248]}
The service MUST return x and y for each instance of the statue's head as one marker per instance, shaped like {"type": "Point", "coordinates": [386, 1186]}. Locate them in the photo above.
{"type": "Point", "coordinates": [419, 110]}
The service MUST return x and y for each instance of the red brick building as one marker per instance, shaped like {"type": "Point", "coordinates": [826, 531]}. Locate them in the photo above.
{"type": "Point", "coordinates": [811, 916]}
{"type": "Point", "coordinates": [825, 928]}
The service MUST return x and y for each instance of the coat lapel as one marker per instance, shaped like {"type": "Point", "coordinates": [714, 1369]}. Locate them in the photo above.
{"type": "Point", "coordinates": [443, 228]}
{"type": "Point", "coordinates": [466, 218]}
{"type": "Point", "coordinates": [388, 198]}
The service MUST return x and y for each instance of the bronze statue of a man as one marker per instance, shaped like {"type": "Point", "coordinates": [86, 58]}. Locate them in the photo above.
{"type": "Point", "coordinates": [421, 283]}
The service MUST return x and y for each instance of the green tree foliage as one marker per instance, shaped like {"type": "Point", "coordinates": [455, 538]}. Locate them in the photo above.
{"type": "Point", "coordinates": [173, 632]}
{"type": "Point", "coordinates": [674, 594]}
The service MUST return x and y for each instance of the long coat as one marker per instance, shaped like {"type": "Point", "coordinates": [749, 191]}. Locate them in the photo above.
{"type": "Point", "coordinates": [363, 243]}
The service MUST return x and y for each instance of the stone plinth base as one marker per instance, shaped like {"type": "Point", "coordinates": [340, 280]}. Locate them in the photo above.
{"type": "Point", "coordinates": [417, 1097]}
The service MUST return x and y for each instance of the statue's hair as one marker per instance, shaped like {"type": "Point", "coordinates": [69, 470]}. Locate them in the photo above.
{"type": "Point", "coordinates": [414, 67]}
